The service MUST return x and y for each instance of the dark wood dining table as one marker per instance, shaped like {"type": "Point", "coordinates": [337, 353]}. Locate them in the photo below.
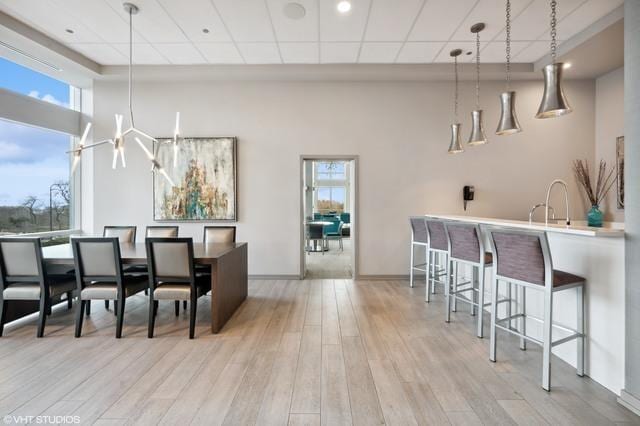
{"type": "Point", "coordinates": [229, 273]}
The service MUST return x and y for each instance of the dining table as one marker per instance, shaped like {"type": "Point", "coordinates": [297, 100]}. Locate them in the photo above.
{"type": "Point", "coordinates": [229, 272]}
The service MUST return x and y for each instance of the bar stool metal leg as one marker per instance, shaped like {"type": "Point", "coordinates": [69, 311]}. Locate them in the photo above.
{"type": "Point", "coordinates": [435, 271]}
{"type": "Point", "coordinates": [480, 303]}
{"type": "Point", "coordinates": [472, 296]}
{"type": "Point", "coordinates": [523, 318]}
{"type": "Point", "coordinates": [580, 329]}
{"type": "Point", "coordinates": [495, 285]}
{"type": "Point", "coordinates": [429, 276]}
{"type": "Point", "coordinates": [447, 291]}
{"type": "Point", "coordinates": [411, 265]}
{"type": "Point", "coordinates": [547, 340]}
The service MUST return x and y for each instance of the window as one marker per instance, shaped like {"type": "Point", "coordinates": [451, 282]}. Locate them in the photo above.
{"type": "Point", "coordinates": [330, 170]}
{"type": "Point", "coordinates": [35, 190]}
{"type": "Point", "coordinates": [32, 83]}
{"type": "Point", "coordinates": [330, 199]}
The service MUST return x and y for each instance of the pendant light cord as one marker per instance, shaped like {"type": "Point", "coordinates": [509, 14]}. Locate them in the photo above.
{"type": "Point", "coordinates": [131, 66]}
{"type": "Point", "coordinates": [554, 43]}
{"type": "Point", "coordinates": [455, 96]}
{"type": "Point", "coordinates": [508, 47]}
{"type": "Point", "coordinates": [478, 70]}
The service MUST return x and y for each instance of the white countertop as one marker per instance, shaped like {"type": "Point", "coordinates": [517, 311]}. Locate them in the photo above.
{"type": "Point", "coordinates": [586, 231]}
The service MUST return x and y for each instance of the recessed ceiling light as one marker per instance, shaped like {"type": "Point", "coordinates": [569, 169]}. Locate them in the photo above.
{"type": "Point", "coordinates": [566, 65]}
{"type": "Point", "coordinates": [69, 30]}
{"type": "Point", "coordinates": [294, 10]}
{"type": "Point", "coordinates": [344, 6]}
{"type": "Point", "coordinates": [205, 30]}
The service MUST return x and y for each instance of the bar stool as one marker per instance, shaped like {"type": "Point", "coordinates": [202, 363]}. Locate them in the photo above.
{"type": "Point", "coordinates": [523, 259]}
{"type": "Point", "coordinates": [418, 239]}
{"type": "Point", "coordinates": [466, 247]}
{"type": "Point", "coordinates": [437, 256]}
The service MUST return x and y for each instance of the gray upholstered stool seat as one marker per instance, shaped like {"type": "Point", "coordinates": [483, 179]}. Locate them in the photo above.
{"type": "Point", "coordinates": [31, 291]}
{"type": "Point", "coordinates": [109, 291]}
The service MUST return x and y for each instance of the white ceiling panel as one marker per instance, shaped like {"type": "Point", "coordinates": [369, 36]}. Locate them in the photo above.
{"type": "Point", "coordinates": [152, 22]}
{"type": "Point", "coordinates": [348, 27]}
{"type": "Point", "coordinates": [495, 51]}
{"type": "Point", "coordinates": [194, 19]}
{"type": "Point", "coordinates": [98, 16]}
{"type": "Point", "coordinates": [260, 53]}
{"type": "Point", "coordinates": [391, 20]}
{"type": "Point", "coordinates": [431, 26]}
{"type": "Point", "coordinates": [565, 8]}
{"type": "Point", "coordinates": [101, 53]}
{"type": "Point", "coordinates": [144, 54]}
{"type": "Point", "coordinates": [180, 53]}
{"type": "Point", "coordinates": [492, 13]}
{"type": "Point", "coordinates": [299, 53]}
{"type": "Point", "coordinates": [247, 20]}
{"type": "Point", "coordinates": [419, 52]}
{"type": "Point", "coordinates": [466, 46]}
{"type": "Point", "coordinates": [339, 53]}
{"type": "Point", "coordinates": [586, 15]}
{"type": "Point", "coordinates": [287, 29]}
{"type": "Point", "coordinates": [533, 52]}
{"type": "Point", "coordinates": [220, 53]}
{"type": "Point", "coordinates": [379, 53]}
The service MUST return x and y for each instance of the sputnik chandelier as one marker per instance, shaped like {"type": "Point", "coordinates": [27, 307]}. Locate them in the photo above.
{"type": "Point", "coordinates": [118, 139]}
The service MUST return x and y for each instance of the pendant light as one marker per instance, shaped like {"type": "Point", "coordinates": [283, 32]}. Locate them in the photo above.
{"type": "Point", "coordinates": [118, 140]}
{"type": "Point", "coordinates": [508, 123]}
{"type": "Point", "coordinates": [554, 103]}
{"type": "Point", "coordinates": [477, 136]}
{"type": "Point", "coordinates": [455, 147]}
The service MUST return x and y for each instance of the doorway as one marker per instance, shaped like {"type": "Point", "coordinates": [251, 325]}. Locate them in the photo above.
{"type": "Point", "coordinates": [328, 219]}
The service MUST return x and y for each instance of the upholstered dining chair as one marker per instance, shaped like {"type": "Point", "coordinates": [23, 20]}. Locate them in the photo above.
{"type": "Point", "coordinates": [161, 232]}
{"type": "Point", "coordinates": [100, 276]}
{"type": "Point", "coordinates": [23, 276]}
{"type": "Point", "coordinates": [172, 276]}
{"type": "Point", "coordinates": [126, 234]}
{"type": "Point", "coordinates": [219, 234]}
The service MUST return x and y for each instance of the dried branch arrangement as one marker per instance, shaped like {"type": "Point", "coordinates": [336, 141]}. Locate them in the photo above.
{"type": "Point", "coordinates": [604, 181]}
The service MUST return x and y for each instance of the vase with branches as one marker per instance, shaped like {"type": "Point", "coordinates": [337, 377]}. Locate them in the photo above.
{"type": "Point", "coordinates": [596, 195]}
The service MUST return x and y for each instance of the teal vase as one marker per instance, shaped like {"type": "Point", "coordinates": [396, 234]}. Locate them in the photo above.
{"type": "Point", "coordinates": [594, 217]}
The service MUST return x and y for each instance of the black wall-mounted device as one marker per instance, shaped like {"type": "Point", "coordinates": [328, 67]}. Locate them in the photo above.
{"type": "Point", "coordinates": [467, 194]}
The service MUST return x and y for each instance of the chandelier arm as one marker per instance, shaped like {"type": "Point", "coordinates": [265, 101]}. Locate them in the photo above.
{"type": "Point", "coordinates": [91, 145]}
{"type": "Point", "coordinates": [141, 133]}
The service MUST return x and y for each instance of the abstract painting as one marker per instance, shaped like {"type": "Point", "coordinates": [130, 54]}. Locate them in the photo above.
{"type": "Point", "coordinates": [620, 170]}
{"type": "Point", "coordinates": [204, 177]}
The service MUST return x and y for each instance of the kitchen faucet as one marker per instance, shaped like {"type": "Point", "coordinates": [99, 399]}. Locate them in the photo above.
{"type": "Point", "coordinates": [534, 208]}
{"type": "Point", "coordinates": [566, 201]}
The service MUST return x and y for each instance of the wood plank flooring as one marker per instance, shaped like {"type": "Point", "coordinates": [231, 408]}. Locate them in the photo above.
{"type": "Point", "coordinates": [313, 352]}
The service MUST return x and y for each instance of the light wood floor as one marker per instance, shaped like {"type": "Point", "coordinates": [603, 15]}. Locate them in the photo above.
{"type": "Point", "coordinates": [297, 352]}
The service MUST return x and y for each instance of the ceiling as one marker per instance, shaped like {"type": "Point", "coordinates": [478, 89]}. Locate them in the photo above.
{"type": "Point", "coordinates": [259, 32]}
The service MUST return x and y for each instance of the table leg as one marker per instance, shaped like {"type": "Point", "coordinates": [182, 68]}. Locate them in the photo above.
{"type": "Point", "coordinates": [229, 286]}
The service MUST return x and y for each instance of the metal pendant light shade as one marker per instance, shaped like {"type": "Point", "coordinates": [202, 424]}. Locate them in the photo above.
{"type": "Point", "coordinates": [508, 123]}
{"type": "Point", "coordinates": [477, 136]}
{"type": "Point", "coordinates": [455, 146]}
{"type": "Point", "coordinates": [554, 103]}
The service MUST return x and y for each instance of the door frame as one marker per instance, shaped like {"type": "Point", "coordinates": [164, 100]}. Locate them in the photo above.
{"type": "Point", "coordinates": [354, 209]}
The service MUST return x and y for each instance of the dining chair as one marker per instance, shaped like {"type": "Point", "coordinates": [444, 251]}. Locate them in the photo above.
{"type": "Point", "coordinates": [335, 234]}
{"type": "Point", "coordinates": [23, 276]}
{"type": "Point", "coordinates": [172, 276]}
{"type": "Point", "coordinates": [161, 232]}
{"type": "Point", "coordinates": [315, 233]}
{"type": "Point", "coordinates": [126, 234]}
{"type": "Point", "coordinates": [100, 276]}
{"type": "Point", "coordinates": [219, 234]}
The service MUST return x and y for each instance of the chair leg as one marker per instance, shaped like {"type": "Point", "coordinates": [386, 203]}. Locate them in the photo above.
{"type": "Point", "coordinates": [120, 319]}
{"type": "Point", "coordinates": [509, 304]}
{"type": "Point", "coordinates": [69, 300]}
{"type": "Point", "coordinates": [580, 329]}
{"type": "Point", "coordinates": [473, 297]}
{"type": "Point", "coordinates": [411, 266]}
{"type": "Point", "coordinates": [45, 310]}
{"type": "Point", "coordinates": [106, 305]}
{"type": "Point", "coordinates": [153, 310]}
{"type": "Point", "coordinates": [480, 307]}
{"type": "Point", "coordinates": [523, 319]}
{"type": "Point", "coordinates": [494, 317]}
{"type": "Point", "coordinates": [436, 261]}
{"type": "Point", "coordinates": [454, 300]}
{"type": "Point", "coordinates": [3, 315]}
{"type": "Point", "coordinates": [87, 307]}
{"type": "Point", "coordinates": [177, 307]}
{"type": "Point", "coordinates": [428, 274]}
{"type": "Point", "coordinates": [547, 336]}
{"type": "Point", "coordinates": [184, 305]}
{"type": "Point", "coordinates": [341, 245]}
{"type": "Point", "coordinates": [115, 307]}
{"type": "Point", "coordinates": [79, 316]}
{"type": "Point", "coordinates": [447, 292]}
{"type": "Point", "coordinates": [192, 316]}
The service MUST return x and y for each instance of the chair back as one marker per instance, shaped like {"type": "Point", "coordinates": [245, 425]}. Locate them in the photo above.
{"type": "Point", "coordinates": [126, 234]}
{"type": "Point", "coordinates": [465, 242]}
{"type": "Point", "coordinates": [219, 234]}
{"type": "Point", "coordinates": [317, 216]}
{"type": "Point", "coordinates": [21, 261]}
{"type": "Point", "coordinates": [437, 235]}
{"type": "Point", "coordinates": [315, 231]}
{"type": "Point", "coordinates": [161, 232]}
{"type": "Point", "coordinates": [170, 260]}
{"type": "Point", "coordinates": [97, 259]}
{"type": "Point", "coordinates": [522, 256]}
{"type": "Point", "coordinates": [334, 227]}
{"type": "Point", "coordinates": [345, 217]}
{"type": "Point", "coordinates": [418, 229]}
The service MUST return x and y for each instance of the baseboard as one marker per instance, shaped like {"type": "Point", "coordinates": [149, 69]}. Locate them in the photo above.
{"type": "Point", "coordinates": [274, 277]}
{"type": "Point", "coordinates": [629, 401]}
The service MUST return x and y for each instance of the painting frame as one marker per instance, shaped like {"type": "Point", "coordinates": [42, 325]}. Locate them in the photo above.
{"type": "Point", "coordinates": [620, 172]}
{"type": "Point", "coordinates": [157, 177]}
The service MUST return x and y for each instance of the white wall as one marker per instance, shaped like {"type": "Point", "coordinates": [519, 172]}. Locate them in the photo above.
{"type": "Point", "coordinates": [400, 130]}
{"type": "Point", "coordinates": [610, 125]}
